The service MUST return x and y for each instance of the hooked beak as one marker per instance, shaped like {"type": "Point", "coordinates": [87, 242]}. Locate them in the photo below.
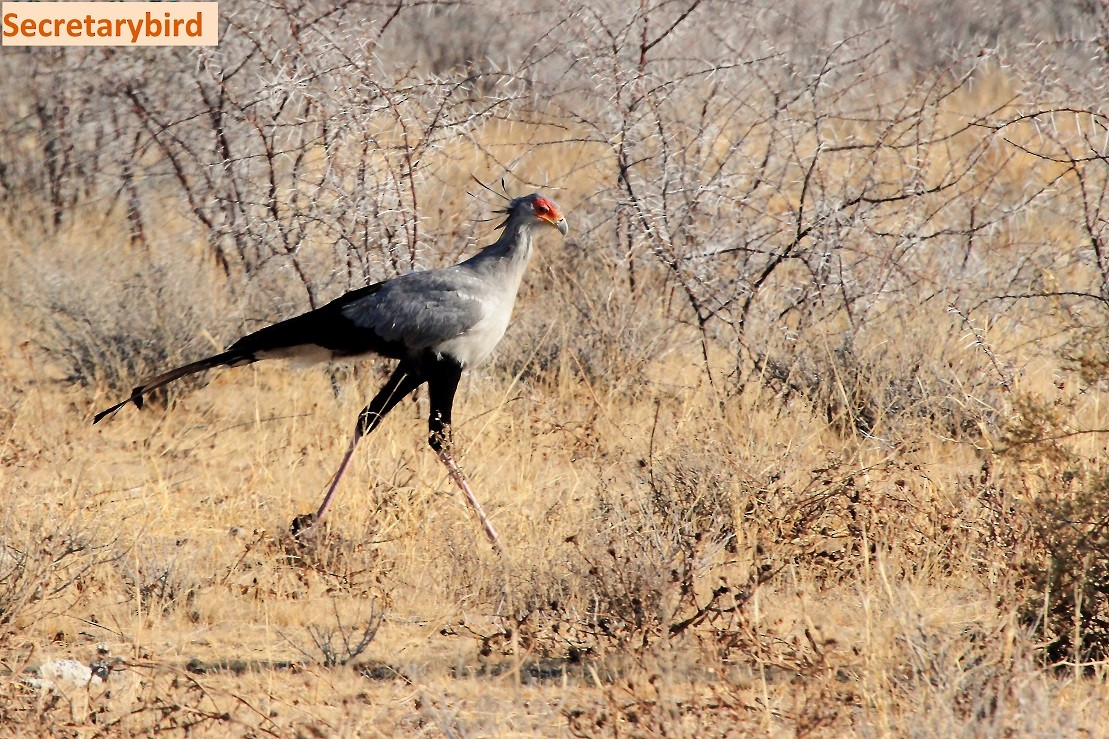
{"type": "Point", "coordinates": [560, 224]}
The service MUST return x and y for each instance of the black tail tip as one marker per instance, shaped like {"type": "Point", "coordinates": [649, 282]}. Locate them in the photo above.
{"type": "Point", "coordinates": [136, 398]}
{"type": "Point", "coordinates": [109, 411]}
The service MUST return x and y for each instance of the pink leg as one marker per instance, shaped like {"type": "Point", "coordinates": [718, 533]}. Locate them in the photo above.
{"type": "Point", "coordinates": [460, 480]}
{"type": "Point", "coordinates": [441, 385]}
{"type": "Point", "coordinates": [402, 382]}
{"type": "Point", "coordinates": [335, 480]}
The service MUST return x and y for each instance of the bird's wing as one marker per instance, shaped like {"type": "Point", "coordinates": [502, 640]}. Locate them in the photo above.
{"type": "Point", "coordinates": [421, 309]}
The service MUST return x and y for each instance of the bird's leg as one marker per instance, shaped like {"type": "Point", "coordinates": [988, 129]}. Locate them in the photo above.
{"type": "Point", "coordinates": [456, 474]}
{"type": "Point", "coordinates": [403, 381]}
{"type": "Point", "coordinates": [441, 385]}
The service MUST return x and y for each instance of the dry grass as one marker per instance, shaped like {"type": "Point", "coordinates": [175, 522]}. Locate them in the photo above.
{"type": "Point", "coordinates": [771, 577]}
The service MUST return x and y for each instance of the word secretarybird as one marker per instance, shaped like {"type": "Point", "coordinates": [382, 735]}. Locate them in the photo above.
{"type": "Point", "coordinates": [435, 322]}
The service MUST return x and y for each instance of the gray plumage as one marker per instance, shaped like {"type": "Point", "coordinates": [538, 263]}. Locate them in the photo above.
{"type": "Point", "coordinates": [461, 311]}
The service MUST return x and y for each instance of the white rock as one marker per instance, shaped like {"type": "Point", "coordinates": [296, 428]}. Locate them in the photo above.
{"type": "Point", "coordinates": [65, 674]}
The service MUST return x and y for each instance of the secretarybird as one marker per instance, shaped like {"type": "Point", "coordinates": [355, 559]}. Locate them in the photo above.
{"type": "Point", "coordinates": [435, 322]}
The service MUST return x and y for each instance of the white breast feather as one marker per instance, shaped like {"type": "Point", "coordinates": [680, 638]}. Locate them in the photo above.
{"type": "Point", "coordinates": [475, 345]}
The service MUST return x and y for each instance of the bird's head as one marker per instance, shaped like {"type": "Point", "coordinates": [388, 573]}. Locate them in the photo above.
{"type": "Point", "coordinates": [536, 209]}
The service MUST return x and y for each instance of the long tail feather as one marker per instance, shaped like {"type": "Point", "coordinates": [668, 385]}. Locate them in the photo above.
{"type": "Point", "coordinates": [137, 395]}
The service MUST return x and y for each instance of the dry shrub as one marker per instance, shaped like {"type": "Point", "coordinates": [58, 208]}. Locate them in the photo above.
{"type": "Point", "coordinates": [161, 577]}
{"type": "Point", "coordinates": [889, 382]}
{"type": "Point", "coordinates": [968, 673]}
{"type": "Point", "coordinates": [645, 569]}
{"type": "Point", "coordinates": [1063, 510]}
{"type": "Point", "coordinates": [954, 672]}
{"type": "Point", "coordinates": [651, 704]}
{"type": "Point", "coordinates": [677, 559]}
{"type": "Point", "coordinates": [959, 671]}
{"type": "Point", "coordinates": [1036, 431]}
{"type": "Point", "coordinates": [44, 566]}
{"type": "Point", "coordinates": [102, 331]}
{"type": "Point", "coordinates": [603, 334]}
{"type": "Point", "coordinates": [827, 520]}
{"type": "Point", "coordinates": [1086, 351]}
{"type": "Point", "coordinates": [31, 574]}
{"type": "Point", "coordinates": [344, 639]}
{"type": "Point", "coordinates": [1066, 570]}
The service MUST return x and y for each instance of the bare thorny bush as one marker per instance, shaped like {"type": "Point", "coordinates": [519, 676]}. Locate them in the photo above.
{"type": "Point", "coordinates": [635, 578]}
{"type": "Point", "coordinates": [775, 194]}
{"type": "Point", "coordinates": [829, 217]}
{"type": "Point", "coordinates": [44, 567]}
{"type": "Point", "coordinates": [337, 644]}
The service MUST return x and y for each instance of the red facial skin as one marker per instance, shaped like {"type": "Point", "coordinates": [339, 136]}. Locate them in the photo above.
{"type": "Point", "coordinates": [546, 210]}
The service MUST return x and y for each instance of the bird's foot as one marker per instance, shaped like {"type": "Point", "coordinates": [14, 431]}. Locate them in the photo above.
{"type": "Point", "coordinates": [303, 525]}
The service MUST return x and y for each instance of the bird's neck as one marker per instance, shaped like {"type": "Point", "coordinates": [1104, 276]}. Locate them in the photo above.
{"type": "Point", "coordinates": [509, 254]}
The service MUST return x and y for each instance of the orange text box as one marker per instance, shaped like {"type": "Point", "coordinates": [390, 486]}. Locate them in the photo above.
{"type": "Point", "coordinates": [109, 24]}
